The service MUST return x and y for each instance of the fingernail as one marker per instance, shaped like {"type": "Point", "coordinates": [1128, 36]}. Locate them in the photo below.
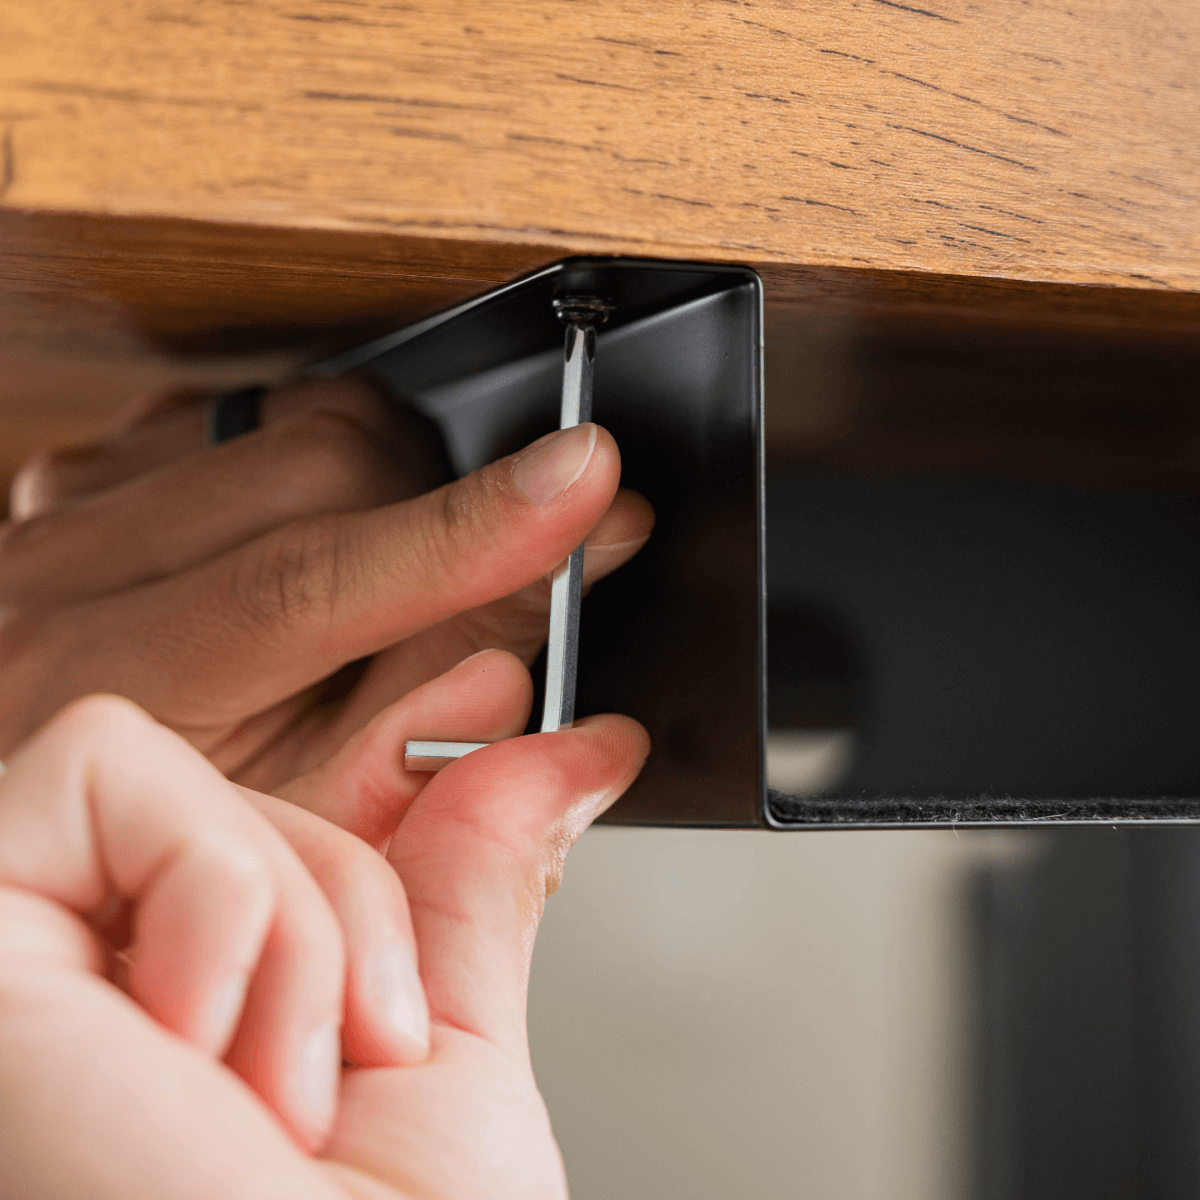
{"type": "Point", "coordinates": [463, 662]}
{"type": "Point", "coordinates": [547, 468]}
{"type": "Point", "coordinates": [226, 1007]}
{"type": "Point", "coordinates": [320, 1066]}
{"type": "Point", "coordinates": [395, 986]}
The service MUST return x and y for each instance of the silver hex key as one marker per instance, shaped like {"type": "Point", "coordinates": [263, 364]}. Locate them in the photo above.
{"type": "Point", "coordinates": [580, 315]}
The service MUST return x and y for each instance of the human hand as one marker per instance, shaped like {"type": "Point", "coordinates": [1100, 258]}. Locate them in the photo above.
{"type": "Point", "coordinates": [267, 597]}
{"type": "Point", "coordinates": [111, 1095]}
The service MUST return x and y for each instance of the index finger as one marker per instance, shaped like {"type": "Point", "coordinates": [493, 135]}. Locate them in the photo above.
{"type": "Point", "coordinates": [267, 620]}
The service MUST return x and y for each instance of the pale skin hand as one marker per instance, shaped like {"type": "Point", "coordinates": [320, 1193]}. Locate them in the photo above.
{"type": "Point", "coordinates": [109, 1095]}
{"type": "Point", "coordinates": [226, 590]}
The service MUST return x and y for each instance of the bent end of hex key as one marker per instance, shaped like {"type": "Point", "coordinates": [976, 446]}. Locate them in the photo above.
{"type": "Point", "coordinates": [433, 756]}
{"type": "Point", "coordinates": [580, 315]}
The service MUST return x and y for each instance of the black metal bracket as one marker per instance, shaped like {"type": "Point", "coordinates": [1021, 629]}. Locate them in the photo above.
{"type": "Point", "coordinates": [675, 638]}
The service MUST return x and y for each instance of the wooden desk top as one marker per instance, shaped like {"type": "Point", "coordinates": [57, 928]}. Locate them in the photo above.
{"type": "Point", "coordinates": [1053, 141]}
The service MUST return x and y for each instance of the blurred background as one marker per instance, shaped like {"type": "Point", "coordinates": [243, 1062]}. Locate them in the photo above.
{"type": "Point", "coordinates": [719, 1014]}
{"type": "Point", "coordinates": [998, 1015]}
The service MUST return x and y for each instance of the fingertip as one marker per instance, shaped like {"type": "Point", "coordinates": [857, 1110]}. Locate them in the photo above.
{"type": "Point", "coordinates": [390, 994]}
{"type": "Point", "coordinates": [366, 787]}
{"type": "Point", "coordinates": [604, 468]}
{"type": "Point", "coordinates": [487, 697]}
{"type": "Point", "coordinates": [579, 771]}
{"type": "Point", "coordinates": [295, 1066]}
{"type": "Point", "coordinates": [386, 1020]}
{"type": "Point", "coordinates": [607, 454]}
{"type": "Point", "coordinates": [192, 972]}
{"type": "Point", "coordinates": [619, 745]}
{"type": "Point", "coordinates": [616, 749]}
{"type": "Point", "coordinates": [629, 519]}
{"type": "Point", "coordinates": [623, 734]}
{"type": "Point", "coordinates": [316, 1077]}
{"type": "Point", "coordinates": [599, 561]}
{"type": "Point", "coordinates": [618, 535]}
{"type": "Point", "coordinates": [503, 669]}
{"type": "Point", "coordinates": [635, 514]}
{"type": "Point", "coordinates": [224, 1010]}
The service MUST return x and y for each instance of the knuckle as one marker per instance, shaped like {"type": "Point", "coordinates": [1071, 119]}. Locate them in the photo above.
{"type": "Point", "coordinates": [458, 524]}
{"type": "Point", "coordinates": [240, 864]}
{"type": "Point", "coordinates": [292, 578]}
{"type": "Point", "coordinates": [459, 508]}
{"type": "Point", "coordinates": [331, 456]}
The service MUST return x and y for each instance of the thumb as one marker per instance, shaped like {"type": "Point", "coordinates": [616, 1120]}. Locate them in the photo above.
{"type": "Point", "coordinates": [483, 846]}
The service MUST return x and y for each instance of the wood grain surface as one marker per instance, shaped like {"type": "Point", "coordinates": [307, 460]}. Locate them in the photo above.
{"type": "Point", "coordinates": [97, 284]}
{"type": "Point", "coordinates": [1051, 141]}
{"type": "Point", "coordinates": [76, 286]}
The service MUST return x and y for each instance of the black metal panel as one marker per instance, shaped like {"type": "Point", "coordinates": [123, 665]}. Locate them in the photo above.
{"type": "Point", "coordinates": [1027, 653]}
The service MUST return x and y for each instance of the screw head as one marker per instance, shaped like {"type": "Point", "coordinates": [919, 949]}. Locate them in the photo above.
{"type": "Point", "coordinates": [582, 310]}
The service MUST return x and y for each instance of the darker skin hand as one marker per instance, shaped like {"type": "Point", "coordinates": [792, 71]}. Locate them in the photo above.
{"type": "Point", "coordinates": [269, 597]}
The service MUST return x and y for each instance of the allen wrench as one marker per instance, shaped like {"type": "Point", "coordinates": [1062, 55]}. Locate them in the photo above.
{"type": "Point", "coordinates": [580, 315]}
